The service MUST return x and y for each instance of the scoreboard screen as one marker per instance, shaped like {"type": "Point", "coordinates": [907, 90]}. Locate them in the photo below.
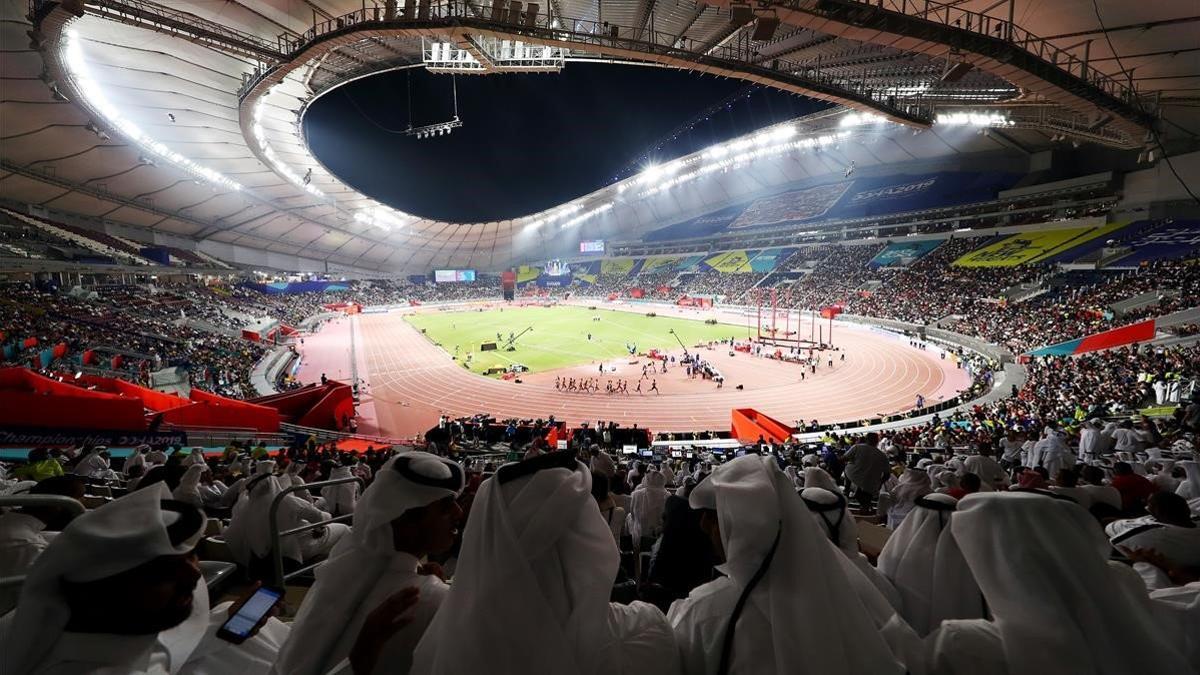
{"type": "Point", "coordinates": [595, 246]}
{"type": "Point", "coordinates": [450, 276]}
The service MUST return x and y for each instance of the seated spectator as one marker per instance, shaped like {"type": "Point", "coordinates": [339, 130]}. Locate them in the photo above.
{"type": "Point", "coordinates": [613, 515]}
{"type": "Point", "coordinates": [923, 562]}
{"type": "Point", "coordinates": [683, 557]}
{"type": "Point", "coordinates": [408, 513]}
{"type": "Point", "coordinates": [832, 513]}
{"type": "Point", "coordinates": [119, 590]}
{"type": "Point", "coordinates": [763, 616]}
{"type": "Point", "coordinates": [1167, 536]}
{"type": "Point", "coordinates": [340, 500]}
{"type": "Point", "coordinates": [646, 507]}
{"type": "Point", "coordinates": [1096, 490]}
{"type": "Point", "coordinates": [968, 484]}
{"type": "Point", "coordinates": [1134, 489]}
{"type": "Point", "coordinates": [1015, 542]}
{"type": "Point", "coordinates": [26, 532]}
{"type": "Point", "coordinates": [188, 490]}
{"type": "Point", "coordinates": [249, 534]}
{"type": "Point", "coordinates": [531, 591]}
{"type": "Point", "coordinates": [39, 466]}
{"type": "Point", "coordinates": [913, 484]}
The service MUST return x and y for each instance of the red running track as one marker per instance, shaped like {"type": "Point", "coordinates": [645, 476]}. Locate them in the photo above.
{"type": "Point", "coordinates": [409, 381]}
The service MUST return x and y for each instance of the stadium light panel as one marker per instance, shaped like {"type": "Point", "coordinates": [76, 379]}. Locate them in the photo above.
{"type": "Point", "coordinates": [973, 119]}
{"type": "Point", "coordinates": [860, 119]}
{"type": "Point", "coordinates": [96, 99]}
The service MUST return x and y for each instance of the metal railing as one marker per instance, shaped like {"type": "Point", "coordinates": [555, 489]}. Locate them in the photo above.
{"type": "Point", "coordinates": [1007, 30]}
{"type": "Point", "coordinates": [326, 435]}
{"type": "Point", "coordinates": [58, 501]}
{"type": "Point", "coordinates": [277, 537]}
{"type": "Point", "coordinates": [733, 54]}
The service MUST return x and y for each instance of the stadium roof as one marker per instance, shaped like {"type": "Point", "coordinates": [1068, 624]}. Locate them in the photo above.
{"type": "Point", "coordinates": [185, 119]}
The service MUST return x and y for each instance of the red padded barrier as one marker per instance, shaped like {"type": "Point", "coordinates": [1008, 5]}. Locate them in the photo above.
{"type": "Point", "coordinates": [1135, 332]}
{"type": "Point", "coordinates": [31, 400]}
{"type": "Point", "coordinates": [330, 411]}
{"type": "Point", "coordinates": [321, 406]}
{"type": "Point", "coordinates": [747, 424]}
{"type": "Point", "coordinates": [210, 410]}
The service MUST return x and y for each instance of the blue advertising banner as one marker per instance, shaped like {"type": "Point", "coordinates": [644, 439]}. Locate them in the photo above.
{"type": "Point", "coordinates": [898, 252]}
{"type": "Point", "coordinates": [284, 288]}
{"type": "Point", "coordinates": [1173, 239]}
{"type": "Point", "coordinates": [700, 226]}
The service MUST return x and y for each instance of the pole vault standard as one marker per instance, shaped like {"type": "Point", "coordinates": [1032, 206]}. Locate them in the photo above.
{"type": "Point", "coordinates": [774, 329]}
{"type": "Point", "coordinates": [758, 321]}
{"type": "Point", "coordinates": [787, 313]}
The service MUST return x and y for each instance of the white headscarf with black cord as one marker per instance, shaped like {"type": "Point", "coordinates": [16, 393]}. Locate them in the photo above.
{"type": "Point", "coordinates": [785, 565]}
{"type": "Point", "coordinates": [1189, 489]}
{"type": "Point", "coordinates": [1041, 563]}
{"type": "Point", "coordinates": [831, 512]}
{"type": "Point", "coordinates": [922, 560]}
{"type": "Point", "coordinates": [115, 538]}
{"type": "Point", "coordinates": [325, 628]}
{"type": "Point", "coordinates": [532, 586]}
{"type": "Point", "coordinates": [249, 531]}
{"type": "Point", "coordinates": [188, 489]}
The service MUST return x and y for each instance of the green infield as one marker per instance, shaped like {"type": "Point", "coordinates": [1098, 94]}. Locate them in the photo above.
{"type": "Point", "coordinates": [559, 335]}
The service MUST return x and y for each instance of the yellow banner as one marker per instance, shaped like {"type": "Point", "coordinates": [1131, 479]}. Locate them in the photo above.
{"type": "Point", "coordinates": [730, 262]}
{"type": "Point", "coordinates": [1028, 247]}
{"type": "Point", "coordinates": [618, 267]}
{"type": "Point", "coordinates": [659, 263]}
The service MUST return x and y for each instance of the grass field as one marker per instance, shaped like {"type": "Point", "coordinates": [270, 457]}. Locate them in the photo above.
{"type": "Point", "coordinates": [559, 335]}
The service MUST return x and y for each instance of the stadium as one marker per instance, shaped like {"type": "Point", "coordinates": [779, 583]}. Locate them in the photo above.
{"type": "Point", "coordinates": [806, 335]}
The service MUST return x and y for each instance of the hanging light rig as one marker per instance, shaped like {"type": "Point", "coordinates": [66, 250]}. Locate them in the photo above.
{"type": "Point", "coordinates": [439, 129]}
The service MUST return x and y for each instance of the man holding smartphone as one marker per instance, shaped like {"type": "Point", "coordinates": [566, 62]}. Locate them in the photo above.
{"type": "Point", "coordinates": [120, 591]}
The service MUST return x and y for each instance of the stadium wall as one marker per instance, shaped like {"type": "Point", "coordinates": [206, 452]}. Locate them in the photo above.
{"type": "Point", "coordinates": [1159, 184]}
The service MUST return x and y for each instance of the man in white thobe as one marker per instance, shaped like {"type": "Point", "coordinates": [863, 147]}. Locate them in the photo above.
{"type": "Point", "coordinates": [138, 458]}
{"type": "Point", "coordinates": [25, 533]}
{"type": "Point", "coordinates": [532, 586]}
{"type": "Point", "coordinates": [788, 602]}
{"type": "Point", "coordinates": [991, 475]}
{"type": "Point", "coordinates": [119, 591]}
{"type": "Point", "coordinates": [1057, 606]}
{"type": "Point", "coordinates": [923, 562]}
{"type": "Point", "coordinates": [409, 512]}
{"type": "Point", "coordinates": [249, 531]}
{"type": "Point", "coordinates": [1091, 441]}
{"type": "Point", "coordinates": [831, 512]}
{"type": "Point", "coordinates": [646, 507]}
{"type": "Point", "coordinates": [95, 464]}
{"type": "Point", "coordinates": [602, 463]}
{"type": "Point", "coordinates": [340, 499]}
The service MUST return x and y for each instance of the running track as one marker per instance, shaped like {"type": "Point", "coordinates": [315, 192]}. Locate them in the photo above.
{"type": "Point", "coordinates": [410, 381]}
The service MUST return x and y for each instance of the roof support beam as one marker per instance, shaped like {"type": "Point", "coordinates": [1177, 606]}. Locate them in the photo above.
{"type": "Point", "coordinates": [1133, 26]}
{"type": "Point", "coordinates": [641, 18]}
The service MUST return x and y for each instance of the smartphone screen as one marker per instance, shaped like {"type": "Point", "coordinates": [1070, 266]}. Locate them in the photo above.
{"type": "Point", "coordinates": [240, 625]}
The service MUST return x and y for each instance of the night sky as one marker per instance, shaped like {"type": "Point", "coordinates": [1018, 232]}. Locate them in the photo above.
{"type": "Point", "coordinates": [529, 141]}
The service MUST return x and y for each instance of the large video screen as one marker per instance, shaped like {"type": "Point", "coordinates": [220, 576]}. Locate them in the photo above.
{"type": "Point", "coordinates": [450, 276]}
{"type": "Point", "coordinates": [595, 246]}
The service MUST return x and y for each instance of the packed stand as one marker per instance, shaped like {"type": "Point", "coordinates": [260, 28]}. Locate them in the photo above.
{"type": "Point", "coordinates": [586, 560]}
